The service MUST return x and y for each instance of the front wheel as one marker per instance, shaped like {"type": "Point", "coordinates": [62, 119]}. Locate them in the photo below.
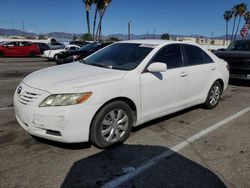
{"type": "Point", "coordinates": [214, 95]}
{"type": "Point", "coordinates": [1, 54]}
{"type": "Point", "coordinates": [112, 124]}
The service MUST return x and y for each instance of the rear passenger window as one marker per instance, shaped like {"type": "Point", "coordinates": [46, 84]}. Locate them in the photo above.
{"type": "Point", "coordinates": [171, 55]}
{"type": "Point", "coordinates": [208, 59]}
{"type": "Point", "coordinates": [196, 56]}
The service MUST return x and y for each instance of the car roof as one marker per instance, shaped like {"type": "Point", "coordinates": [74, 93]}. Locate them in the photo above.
{"type": "Point", "coordinates": [157, 42]}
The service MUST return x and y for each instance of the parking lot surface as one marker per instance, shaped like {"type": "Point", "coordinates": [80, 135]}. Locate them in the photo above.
{"type": "Point", "coordinates": [192, 148]}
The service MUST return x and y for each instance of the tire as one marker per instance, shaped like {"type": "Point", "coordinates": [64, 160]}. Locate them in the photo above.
{"type": "Point", "coordinates": [32, 54]}
{"type": "Point", "coordinates": [111, 125]}
{"type": "Point", "coordinates": [56, 57]}
{"type": "Point", "coordinates": [1, 54]}
{"type": "Point", "coordinates": [214, 95]}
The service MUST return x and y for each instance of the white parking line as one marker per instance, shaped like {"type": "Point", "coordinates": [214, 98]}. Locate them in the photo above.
{"type": "Point", "coordinates": [122, 179]}
{"type": "Point", "coordinates": [6, 108]}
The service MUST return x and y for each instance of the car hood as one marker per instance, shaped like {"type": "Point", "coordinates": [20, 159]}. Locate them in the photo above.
{"type": "Point", "coordinates": [233, 54]}
{"type": "Point", "coordinates": [71, 77]}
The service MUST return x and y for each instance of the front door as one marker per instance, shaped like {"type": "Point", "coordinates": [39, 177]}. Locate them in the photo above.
{"type": "Point", "coordinates": [163, 93]}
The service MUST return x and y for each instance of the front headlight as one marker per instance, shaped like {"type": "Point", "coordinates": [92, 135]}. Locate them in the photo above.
{"type": "Point", "coordinates": [65, 99]}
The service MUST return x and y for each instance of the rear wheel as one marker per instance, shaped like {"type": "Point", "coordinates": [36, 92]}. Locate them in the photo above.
{"type": "Point", "coordinates": [112, 124]}
{"type": "Point", "coordinates": [32, 54]}
{"type": "Point", "coordinates": [214, 95]}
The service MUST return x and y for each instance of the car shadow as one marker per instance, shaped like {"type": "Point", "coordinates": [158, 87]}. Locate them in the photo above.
{"type": "Point", "coordinates": [173, 171]}
{"type": "Point", "coordinates": [238, 82]}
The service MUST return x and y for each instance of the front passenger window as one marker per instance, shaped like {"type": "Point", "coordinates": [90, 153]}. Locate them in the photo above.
{"type": "Point", "coordinates": [171, 55]}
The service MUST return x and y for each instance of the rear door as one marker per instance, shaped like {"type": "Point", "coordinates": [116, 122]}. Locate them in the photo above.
{"type": "Point", "coordinates": [201, 70]}
{"type": "Point", "coordinates": [11, 49]}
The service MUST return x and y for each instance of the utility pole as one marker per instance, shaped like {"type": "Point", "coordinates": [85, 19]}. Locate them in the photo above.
{"type": "Point", "coordinates": [23, 29]}
{"type": "Point", "coordinates": [129, 27]}
{"type": "Point", "coordinates": [147, 34]}
{"type": "Point", "coordinates": [154, 34]}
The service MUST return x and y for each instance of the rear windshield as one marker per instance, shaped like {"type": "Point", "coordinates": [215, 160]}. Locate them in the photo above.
{"type": "Point", "coordinates": [239, 46]}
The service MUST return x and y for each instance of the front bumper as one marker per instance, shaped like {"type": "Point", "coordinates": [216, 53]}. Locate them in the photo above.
{"type": "Point", "coordinates": [68, 124]}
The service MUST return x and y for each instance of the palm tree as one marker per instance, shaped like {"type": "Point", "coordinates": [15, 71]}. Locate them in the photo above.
{"type": "Point", "coordinates": [102, 6]}
{"type": "Point", "coordinates": [96, 2]}
{"type": "Point", "coordinates": [247, 17]}
{"type": "Point", "coordinates": [235, 14]}
{"type": "Point", "coordinates": [87, 4]}
{"type": "Point", "coordinates": [241, 10]}
{"type": "Point", "coordinates": [227, 16]}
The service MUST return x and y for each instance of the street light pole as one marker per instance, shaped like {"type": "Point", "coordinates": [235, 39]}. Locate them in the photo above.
{"type": "Point", "coordinates": [129, 27]}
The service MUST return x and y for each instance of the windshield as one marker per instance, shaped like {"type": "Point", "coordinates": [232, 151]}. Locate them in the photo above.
{"type": "Point", "coordinates": [88, 47]}
{"type": "Point", "coordinates": [121, 56]}
{"type": "Point", "coordinates": [239, 46]}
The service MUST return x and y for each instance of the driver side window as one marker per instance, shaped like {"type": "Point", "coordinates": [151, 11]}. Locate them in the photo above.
{"type": "Point", "coordinates": [171, 55]}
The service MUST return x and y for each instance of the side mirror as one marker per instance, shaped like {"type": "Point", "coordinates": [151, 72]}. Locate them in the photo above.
{"type": "Point", "coordinates": [157, 67]}
{"type": "Point", "coordinates": [221, 49]}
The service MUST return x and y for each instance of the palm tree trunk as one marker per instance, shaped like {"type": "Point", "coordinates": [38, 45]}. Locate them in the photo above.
{"type": "Point", "coordinates": [233, 29]}
{"type": "Point", "coordinates": [237, 28]}
{"type": "Point", "coordinates": [100, 33]}
{"type": "Point", "coordinates": [88, 23]}
{"type": "Point", "coordinates": [94, 25]}
{"type": "Point", "coordinates": [226, 31]}
{"type": "Point", "coordinates": [100, 23]}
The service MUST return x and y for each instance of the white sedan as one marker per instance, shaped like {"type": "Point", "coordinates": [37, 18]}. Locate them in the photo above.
{"type": "Point", "coordinates": [53, 54]}
{"type": "Point", "coordinates": [123, 85]}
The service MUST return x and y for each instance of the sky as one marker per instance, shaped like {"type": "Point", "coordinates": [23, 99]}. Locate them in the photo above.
{"type": "Point", "coordinates": [182, 17]}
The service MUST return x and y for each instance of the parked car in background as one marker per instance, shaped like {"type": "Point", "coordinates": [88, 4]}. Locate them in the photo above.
{"type": "Point", "coordinates": [53, 54]}
{"type": "Point", "coordinates": [71, 56]}
{"type": "Point", "coordinates": [42, 46]}
{"type": "Point", "coordinates": [79, 43]}
{"type": "Point", "coordinates": [18, 49]}
{"type": "Point", "coordinates": [238, 57]}
{"type": "Point", "coordinates": [101, 97]}
{"type": "Point", "coordinates": [56, 45]}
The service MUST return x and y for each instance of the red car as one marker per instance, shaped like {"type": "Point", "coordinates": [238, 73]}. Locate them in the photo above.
{"type": "Point", "coordinates": [18, 49]}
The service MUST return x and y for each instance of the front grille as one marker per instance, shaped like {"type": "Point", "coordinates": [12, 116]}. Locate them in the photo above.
{"type": "Point", "coordinates": [27, 98]}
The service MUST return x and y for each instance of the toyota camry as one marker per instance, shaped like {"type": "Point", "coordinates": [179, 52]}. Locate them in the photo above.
{"type": "Point", "coordinates": [101, 97]}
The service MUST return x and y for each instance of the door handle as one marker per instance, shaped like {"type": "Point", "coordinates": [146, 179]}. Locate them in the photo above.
{"type": "Point", "coordinates": [213, 68]}
{"type": "Point", "coordinates": [184, 74]}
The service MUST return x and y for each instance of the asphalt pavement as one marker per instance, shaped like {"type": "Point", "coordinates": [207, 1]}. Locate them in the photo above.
{"type": "Point", "coordinates": [192, 148]}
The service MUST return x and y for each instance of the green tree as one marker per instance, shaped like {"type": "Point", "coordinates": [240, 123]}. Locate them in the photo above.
{"type": "Point", "coordinates": [227, 16]}
{"type": "Point", "coordinates": [74, 38]}
{"type": "Point", "coordinates": [165, 36]}
{"type": "Point", "coordinates": [114, 39]}
{"type": "Point", "coordinates": [86, 37]}
{"type": "Point", "coordinates": [87, 4]}
{"type": "Point", "coordinates": [241, 10]}
{"type": "Point", "coordinates": [41, 37]}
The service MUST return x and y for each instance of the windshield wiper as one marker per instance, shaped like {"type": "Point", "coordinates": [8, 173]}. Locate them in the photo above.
{"type": "Point", "coordinates": [101, 65]}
